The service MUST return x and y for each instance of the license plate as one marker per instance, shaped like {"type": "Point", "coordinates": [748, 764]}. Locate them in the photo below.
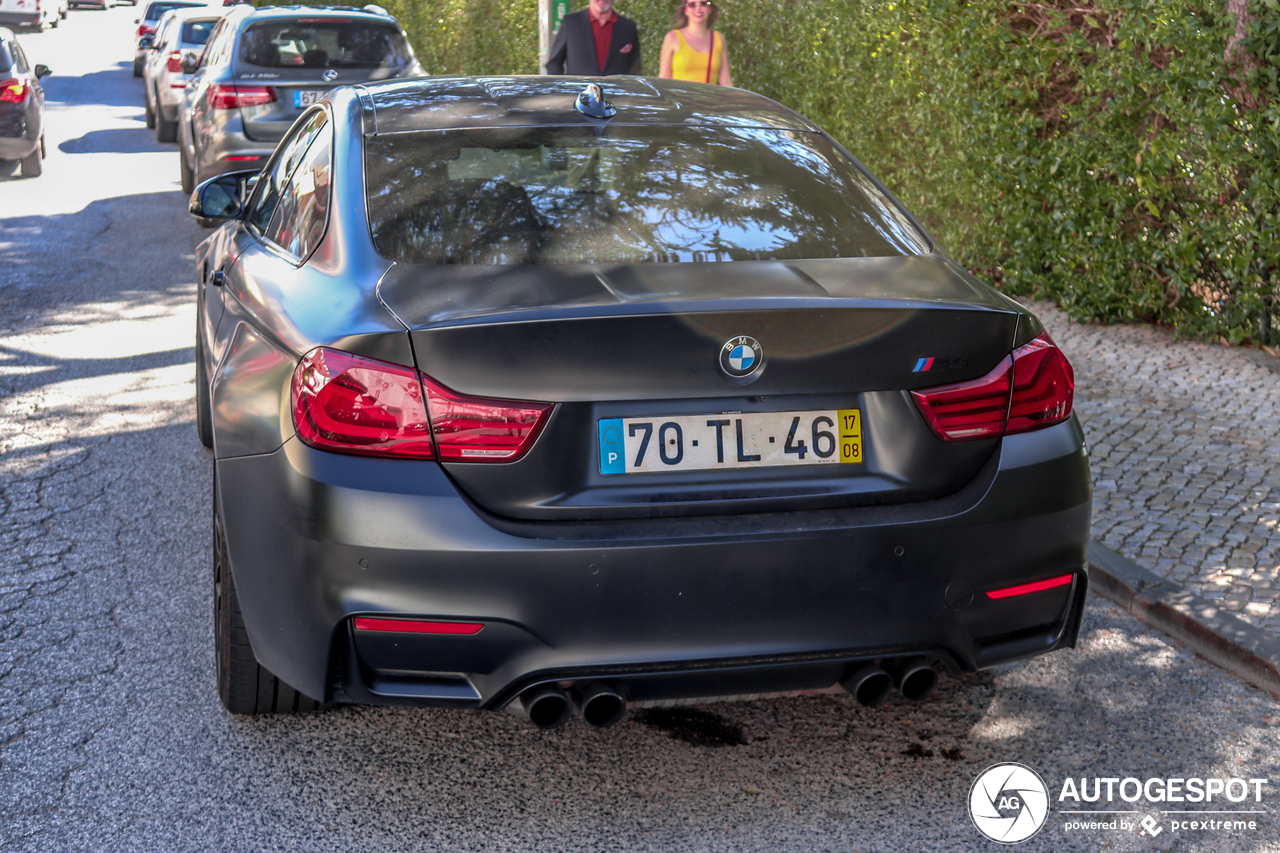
{"type": "Point", "coordinates": [701, 442]}
{"type": "Point", "coordinates": [307, 97]}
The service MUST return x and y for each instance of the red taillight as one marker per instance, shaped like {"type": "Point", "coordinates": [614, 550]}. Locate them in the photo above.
{"type": "Point", "coordinates": [174, 62]}
{"type": "Point", "coordinates": [231, 97]}
{"type": "Point", "coordinates": [354, 404]}
{"type": "Point", "coordinates": [416, 626]}
{"type": "Point", "coordinates": [1028, 588]}
{"type": "Point", "coordinates": [145, 30]}
{"type": "Point", "coordinates": [1031, 388]}
{"type": "Point", "coordinates": [968, 410]}
{"type": "Point", "coordinates": [13, 91]}
{"type": "Point", "coordinates": [358, 405]}
{"type": "Point", "coordinates": [475, 429]}
{"type": "Point", "coordinates": [1044, 386]}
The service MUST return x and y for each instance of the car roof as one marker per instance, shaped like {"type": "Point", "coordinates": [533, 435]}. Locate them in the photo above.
{"type": "Point", "coordinates": [342, 12]}
{"type": "Point", "coordinates": [434, 103]}
{"type": "Point", "coordinates": [213, 13]}
{"type": "Point", "coordinates": [175, 4]}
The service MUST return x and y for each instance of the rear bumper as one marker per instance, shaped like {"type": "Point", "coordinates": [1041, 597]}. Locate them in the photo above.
{"type": "Point", "coordinates": [19, 19]}
{"type": "Point", "coordinates": [674, 608]}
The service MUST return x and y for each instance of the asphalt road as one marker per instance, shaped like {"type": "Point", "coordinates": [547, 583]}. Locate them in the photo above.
{"type": "Point", "coordinates": [111, 735]}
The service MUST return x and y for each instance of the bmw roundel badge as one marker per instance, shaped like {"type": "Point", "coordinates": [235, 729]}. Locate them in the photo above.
{"type": "Point", "coordinates": [742, 358]}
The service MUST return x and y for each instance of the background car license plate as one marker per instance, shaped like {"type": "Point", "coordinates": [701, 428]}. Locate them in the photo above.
{"type": "Point", "coordinates": [307, 97]}
{"type": "Point", "coordinates": [697, 442]}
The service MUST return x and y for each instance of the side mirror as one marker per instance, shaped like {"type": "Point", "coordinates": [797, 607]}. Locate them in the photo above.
{"type": "Point", "coordinates": [189, 63]}
{"type": "Point", "coordinates": [42, 71]}
{"type": "Point", "coordinates": [222, 198]}
{"type": "Point", "coordinates": [146, 42]}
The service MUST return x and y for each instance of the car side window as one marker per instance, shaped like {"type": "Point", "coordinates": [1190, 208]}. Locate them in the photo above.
{"type": "Point", "coordinates": [300, 217]}
{"type": "Point", "coordinates": [213, 47]}
{"type": "Point", "coordinates": [276, 175]}
{"type": "Point", "coordinates": [19, 58]}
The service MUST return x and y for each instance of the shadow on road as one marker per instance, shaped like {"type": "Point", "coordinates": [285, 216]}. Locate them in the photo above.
{"type": "Point", "coordinates": [114, 88]}
{"type": "Point", "coordinates": [132, 140]}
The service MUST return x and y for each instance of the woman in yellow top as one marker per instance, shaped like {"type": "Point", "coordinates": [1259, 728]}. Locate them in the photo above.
{"type": "Point", "coordinates": [694, 51]}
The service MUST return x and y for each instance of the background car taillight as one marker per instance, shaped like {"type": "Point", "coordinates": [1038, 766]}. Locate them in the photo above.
{"type": "Point", "coordinates": [145, 30]}
{"type": "Point", "coordinates": [13, 91]}
{"type": "Point", "coordinates": [174, 62]}
{"type": "Point", "coordinates": [1034, 387]}
{"type": "Point", "coordinates": [231, 97]}
{"type": "Point", "coordinates": [359, 405]}
{"type": "Point", "coordinates": [474, 429]}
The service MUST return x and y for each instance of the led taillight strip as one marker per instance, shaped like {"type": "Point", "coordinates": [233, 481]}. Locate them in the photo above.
{"type": "Point", "coordinates": [1028, 588]}
{"type": "Point", "coordinates": [416, 626]}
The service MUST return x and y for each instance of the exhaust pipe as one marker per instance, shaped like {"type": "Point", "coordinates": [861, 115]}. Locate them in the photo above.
{"type": "Point", "coordinates": [870, 685]}
{"type": "Point", "coordinates": [547, 707]}
{"type": "Point", "coordinates": [915, 678]}
{"type": "Point", "coordinates": [600, 703]}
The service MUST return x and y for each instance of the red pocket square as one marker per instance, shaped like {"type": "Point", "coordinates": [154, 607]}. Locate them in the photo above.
{"type": "Point", "coordinates": [626, 48]}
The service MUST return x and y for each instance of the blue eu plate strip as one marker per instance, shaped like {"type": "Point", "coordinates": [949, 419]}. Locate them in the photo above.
{"type": "Point", "coordinates": [612, 460]}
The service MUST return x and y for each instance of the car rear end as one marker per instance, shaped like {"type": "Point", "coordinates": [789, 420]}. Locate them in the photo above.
{"type": "Point", "coordinates": [284, 63]}
{"type": "Point", "coordinates": [191, 33]}
{"type": "Point", "coordinates": [26, 13]}
{"type": "Point", "coordinates": [691, 411]}
{"type": "Point", "coordinates": [146, 26]}
{"type": "Point", "coordinates": [20, 109]}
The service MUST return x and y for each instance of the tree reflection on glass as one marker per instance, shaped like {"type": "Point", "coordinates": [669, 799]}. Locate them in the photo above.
{"type": "Point", "coordinates": [624, 195]}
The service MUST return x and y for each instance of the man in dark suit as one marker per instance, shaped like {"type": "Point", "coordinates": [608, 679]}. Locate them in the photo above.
{"type": "Point", "coordinates": [595, 41]}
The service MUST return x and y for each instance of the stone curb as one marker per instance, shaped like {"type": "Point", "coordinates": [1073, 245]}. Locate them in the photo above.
{"type": "Point", "coordinates": [1262, 359]}
{"type": "Point", "coordinates": [1215, 634]}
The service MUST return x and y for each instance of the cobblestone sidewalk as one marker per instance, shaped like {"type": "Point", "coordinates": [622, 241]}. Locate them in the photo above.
{"type": "Point", "coordinates": [1185, 446]}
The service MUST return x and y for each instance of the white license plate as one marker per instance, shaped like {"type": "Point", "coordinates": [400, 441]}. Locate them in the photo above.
{"type": "Point", "coordinates": [307, 97]}
{"type": "Point", "coordinates": [700, 442]}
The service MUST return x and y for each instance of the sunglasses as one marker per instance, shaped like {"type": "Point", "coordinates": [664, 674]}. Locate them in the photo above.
{"type": "Point", "coordinates": [693, 4]}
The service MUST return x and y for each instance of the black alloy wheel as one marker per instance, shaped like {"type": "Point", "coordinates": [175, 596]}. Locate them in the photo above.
{"type": "Point", "coordinates": [244, 685]}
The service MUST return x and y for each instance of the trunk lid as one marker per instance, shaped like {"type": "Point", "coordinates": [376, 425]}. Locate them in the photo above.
{"type": "Point", "coordinates": [609, 342]}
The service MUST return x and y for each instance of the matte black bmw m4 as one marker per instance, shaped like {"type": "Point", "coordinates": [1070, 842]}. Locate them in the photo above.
{"type": "Point", "coordinates": [524, 394]}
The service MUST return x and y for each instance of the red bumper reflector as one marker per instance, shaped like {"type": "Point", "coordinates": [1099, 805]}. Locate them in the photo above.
{"type": "Point", "coordinates": [1028, 588]}
{"type": "Point", "coordinates": [237, 158]}
{"type": "Point", "coordinates": [415, 626]}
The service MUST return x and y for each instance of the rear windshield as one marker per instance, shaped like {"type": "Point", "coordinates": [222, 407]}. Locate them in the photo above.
{"type": "Point", "coordinates": [6, 61]}
{"type": "Point", "coordinates": [323, 43]}
{"type": "Point", "coordinates": [624, 195]}
{"type": "Point", "coordinates": [155, 10]}
{"type": "Point", "coordinates": [197, 32]}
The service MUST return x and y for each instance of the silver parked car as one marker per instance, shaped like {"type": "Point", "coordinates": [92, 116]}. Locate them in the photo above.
{"type": "Point", "coordinates": [147, 27]}
{"type": "Point", "coordinates": [178, 32]}
{"type": "Point", "coordinates": [263, 67]}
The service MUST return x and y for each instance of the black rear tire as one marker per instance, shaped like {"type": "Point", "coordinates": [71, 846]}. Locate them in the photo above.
{"type": "Point", "coordinates": [137, 67]}
{"type": "Point", "coordinates": [32, 167]}
{"type": "Point", "coordinates": [188, 174]}
{"type": "Point", "coordinates": [244, 685]}
{"type": "Point", "coordinates": [166, 131]}
{"type": "Point", "coordinates": [149, 112]}
{"type": "Point", "coordinates": [204, 407]}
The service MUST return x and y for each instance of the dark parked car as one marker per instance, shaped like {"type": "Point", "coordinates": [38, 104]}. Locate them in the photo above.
{"type": "Point", "coordinates": [524, 394]}
{"type": "Point", "coordinates": [21, 106]}
{"type": "Point", "coordinates": [263, 67]}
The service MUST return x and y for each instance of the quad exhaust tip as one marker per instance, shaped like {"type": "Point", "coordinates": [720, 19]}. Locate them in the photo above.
{"type": "Point", "coordinates": [548, 707]}
{"type": "Point", "coordinates": [914, 677]}
{"type": "Point", "coordinates": [601, 704]}
{"type": "Point", "coordinates": [870, 685]}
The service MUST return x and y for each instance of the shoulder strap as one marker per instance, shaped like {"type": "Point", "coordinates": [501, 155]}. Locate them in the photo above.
{"type": "Point", "coordinates": [711, 54]}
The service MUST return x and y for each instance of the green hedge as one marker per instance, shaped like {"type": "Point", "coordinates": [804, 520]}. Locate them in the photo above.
{"type": "Point", "coordinates": [1098, 152]}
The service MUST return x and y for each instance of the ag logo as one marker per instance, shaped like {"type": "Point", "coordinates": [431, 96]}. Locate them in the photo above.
{"type": "Point", "coordinates": [1008, 803]}
{"type": "Point", "coordinates": [742, 359]}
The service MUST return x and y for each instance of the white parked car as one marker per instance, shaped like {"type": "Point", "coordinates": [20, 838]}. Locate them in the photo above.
{"type": "Point", "coordinates": [177, 32]}
{"type": "Point", "coordinates": [36, 14]}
